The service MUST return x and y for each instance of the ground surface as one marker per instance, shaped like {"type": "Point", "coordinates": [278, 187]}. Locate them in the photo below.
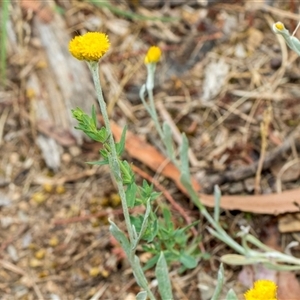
{"type": "Point", "coordinates": [223, 74]}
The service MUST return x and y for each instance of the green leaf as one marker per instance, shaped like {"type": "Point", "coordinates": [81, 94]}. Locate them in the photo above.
{"type": "Point", "coordinates": [94, 116]}
{"type": "Point", "coordinates": [180, 237]}
{"type": "Point", "coordinates": [217, 196]}
{"type": "Point", "coordinates": [152, 228]}
{"type": "Point", "coordinates": [151, 262]}
{"type": "Point", "coordinates": [231, 295]}
{"type": "Point", "coordinates": [145, 220]}
{"type": "Point", "coordinates": [99, 162]}
{"type": "Point", "coordinates": [4, 40]}
{"type": "Point", "coordinates": [129, 14]}
{"type": "Point", "coordinates": [220, 283]}
{"type": "Point", "coordinates": [184, 167]}
{"type": "Point", "coordinates": [188, 261]}
{"type": "Point", "coordinates": [167, 219]}
{"type": "Point", "coordinates": [168, 140]}
{"type": "Point", "coordinates": [120, 146]}
{"type": "Point", "coordinates": [162, 276]}
{"type": "Point", "coordinates": [137, 222]}
{"type": "Point", "coordinates": [141, 295]}
{"type": "Point", "coordinates": [127, 173]}
{"type": "Point", "coordinates": [241, 260]}
{"type": "Point", "coordinates": [131, 194]}
{"type": "Point", "coordinates": [120, 237]}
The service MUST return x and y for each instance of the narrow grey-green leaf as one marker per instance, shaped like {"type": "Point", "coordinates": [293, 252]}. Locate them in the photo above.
{"type": "Point", "coordinates": [168, 140]}
{"type": "Point", "coordinates": [141, 295]}
{"type": "Point", "coordinates": [217, 196]}
{"type": "Point", "coordinates": [131, 194]}
{"type": "Point", "coordinates": [162, 276]}
{"type": "Point", "coordinates": [121, 144]}
{"type": "Point", "coordinates": [220, 282]}
{"type": "Point", "coordinates": [231, 295]}
{"type": "Point", "coordinates": [184, 161]}
{"type": "Point", "coordinates": [120, 237]}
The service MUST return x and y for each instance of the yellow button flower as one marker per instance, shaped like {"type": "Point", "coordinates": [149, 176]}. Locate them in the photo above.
{"type": "Point", "coordinates": [279, 26]}
{"type": "Point", "coordinates": [153, 55]}
{"type": "Point", "coordinates": [262, 290]}
{"type": "Point", "coordinates": [90, 46]}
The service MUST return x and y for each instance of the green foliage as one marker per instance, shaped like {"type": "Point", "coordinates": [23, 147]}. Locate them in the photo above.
{"type": "Point", "coordinates": [88, 125]}
{"type": "Point", "coordinates": [218, 290]}
{"type": "Point", "coordinates": [3, 39]}
{"type": "Point", "coordinates": [129, 14]}
{"type": "Point", "coordinates": [173, 243]}
{"type": "Point", "coordinates": [150, 230]}
{"type": "Point", "coordinates": [162, 275]}
{"type": "Point", "coordinates": [146, 192]}
{"type": "Point", "coordinates": [157, 236]}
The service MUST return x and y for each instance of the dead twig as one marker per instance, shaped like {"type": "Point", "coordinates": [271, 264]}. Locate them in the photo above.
{"type": "Point", "coordinates": [264, 128]}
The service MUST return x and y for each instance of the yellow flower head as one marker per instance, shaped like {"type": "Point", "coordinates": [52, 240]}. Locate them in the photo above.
{"type": "Point", "coordinates": [279, 26]}
{"type": "Point", "coordinates": [153, 55]}
{"type": "Point", "coordinates": [90, 46]}
{"type": "Point", "coordinates": [262, 290]}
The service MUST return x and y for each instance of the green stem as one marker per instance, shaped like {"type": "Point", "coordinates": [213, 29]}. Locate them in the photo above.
{"type": "Point", "coordinates": [114, 161]}
{"type": "Point", "coordinates": [154, 114]}
{"type": "Point", "coordinates": [116, 170]}
{"type": "Point", "coordinates": [3, 39]}
{"type": "Point", "coordinates": [227, 239]}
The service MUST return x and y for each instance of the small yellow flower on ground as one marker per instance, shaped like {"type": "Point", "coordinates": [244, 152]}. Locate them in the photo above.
{"type": "Point", "coordinates": [90, 46]}
{"type": "Point", "coordinates": [262, 290]}
{"type": "Point", "coordinates": [153, 55]}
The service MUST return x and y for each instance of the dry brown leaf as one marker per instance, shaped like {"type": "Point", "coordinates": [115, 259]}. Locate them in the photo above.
{"type": "Point", "coordinates": [288, 286]}
{"type": "Point", "coordinates": [286, 171]}
{"type": "Point", "coordinates": [289, 223]}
